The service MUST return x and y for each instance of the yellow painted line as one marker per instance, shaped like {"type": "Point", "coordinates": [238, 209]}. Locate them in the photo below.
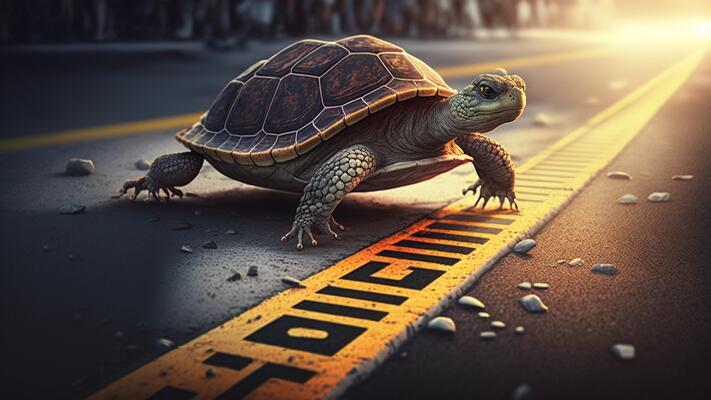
{"type": "Point", "coordinates": [185, 120]}
{"type": "Point", "coordinates": [315, 341]}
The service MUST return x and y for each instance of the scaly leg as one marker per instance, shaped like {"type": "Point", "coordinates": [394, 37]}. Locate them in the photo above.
{"type": "Point", "coordinates": [329, 185]}
{"type": "Point", "coordinates": [494, 167]}
{"type": "Point", "coordinates": [167, 171]}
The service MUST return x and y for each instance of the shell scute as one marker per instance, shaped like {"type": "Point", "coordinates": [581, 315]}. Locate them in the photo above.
{"type": "Point", "coordinates": [281, 63]}
{"type": "Point", "coordinates": [216, 116]}
{"type": "Point", "coordinates": [367, 43]}
{"type": "Point", "coordinates": [250, 108]}
{"type": "Point", "coordinates": [352, 78]}
{"type": "Point", "coordinates": [330, 122]}
{"type": "Point", "coordinates": [296, 103]}
{"type": "Point", "coordinates": [320, 60]}
{"type": "Point", "coordinates": [400, 66]}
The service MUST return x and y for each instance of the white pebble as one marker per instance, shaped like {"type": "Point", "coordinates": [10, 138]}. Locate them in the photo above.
{"type": "Point", "coordinates": [471, 302]}
{"type": "Point", "coordinates": [498, 325]}
{"type": "Point", "coordinates": [619, 175]}
{"type": "Point", "coordinates": [186, 249]}
{"type": "Point", "coordinates": [682, 177]}
{"type": "Point", "coordinates": [522, 392]}
{"type": "Point", "coordinates": [524, 246]}
{"type": "Point", "coordinates": [79, 167]}
{"type": "Point", "coordinates": [623, 351]}
{"type": "Point", "coordinates": [627, 199]}
{"type": "Point", "coordinates": [487, 335]}
{"type": "Point", "coordinates": [142, 165]}
{"type": "Point", "coordinates": [445, 324]}
{"type": "Point", "coordinates": [541, 286]}
{"type": "Point", "coordinates": [576, 262]}
{"type": "Point", "coordinates": [562, 261]}
{"type": "Point", "coordinates": [165, 343]}
{"type": "Point", "coordinates": [484, 315]}
{"type": "Point", "coordinates": [72, 209]}
{"type": "Point", "coordinates": [659, 197]}
{"type": "Point", "coordinates": [605, 269]}
{"type": "Point", "coordinates": [541, 119]}
{"type": "Point", "coordinates": [533, 303]}
{"type": "Point", "coordinates": [292, 281]}
{"type": "Point", "coordinates": [519, 330]}
{"type": "Point", "coordinates": [524, 285]}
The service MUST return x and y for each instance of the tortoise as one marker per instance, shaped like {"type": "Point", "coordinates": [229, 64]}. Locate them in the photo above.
{"type": "Point", "coordinates": [358, 114]}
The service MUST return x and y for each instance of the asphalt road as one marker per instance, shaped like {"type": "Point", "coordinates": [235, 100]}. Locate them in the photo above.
{"type": "Point", "coordinates": [659, 302]}
{"type": "Point", "coordinates": [73, 325]}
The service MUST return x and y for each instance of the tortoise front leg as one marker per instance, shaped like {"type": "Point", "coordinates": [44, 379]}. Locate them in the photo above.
{"type": "Point", "coordinates": [167, 172]}
{"type": "Point", "coordinates": [330, 184]}
{"type": "Point", "coordinates": [494, 166]}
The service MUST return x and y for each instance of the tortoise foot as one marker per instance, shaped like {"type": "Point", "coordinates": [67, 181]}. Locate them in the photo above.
{"type": "Point", "coordinates": [153, 189]}
{"type": "Point", "coordinates": [489, 190]}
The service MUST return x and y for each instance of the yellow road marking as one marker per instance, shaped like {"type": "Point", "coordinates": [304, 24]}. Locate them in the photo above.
{"type": "Point", "coordinates": [366, 305]}
{"type": "Point", "coordinates": [185, 120]}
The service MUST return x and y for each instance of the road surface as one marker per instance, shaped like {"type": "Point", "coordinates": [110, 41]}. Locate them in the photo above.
{"type": "Point", "coordinates": [76, 324]}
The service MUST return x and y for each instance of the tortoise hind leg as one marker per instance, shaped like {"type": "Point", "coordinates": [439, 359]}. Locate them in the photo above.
{"type": "Point", "coordinates": [334, 179]}
{"type": "Point", "coordinates": [167, 172]}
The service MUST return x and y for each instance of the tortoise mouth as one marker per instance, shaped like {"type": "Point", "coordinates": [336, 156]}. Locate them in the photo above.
{"type": "Point", "coordinates": [501, 111]}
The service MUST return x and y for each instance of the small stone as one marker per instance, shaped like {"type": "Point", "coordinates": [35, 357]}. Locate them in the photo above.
{"type": "Point", "coordinates": [119, 334]}
{"type": "Point", "coordinates": [522, 392]}
{"type": "Point", "coordinates": [524, 286]}
{"type": "Point", "coordinates": [181, 226]}
{"type": "Point", "coordinates": [186, 248]}
{"type": "Point", "coordinates": [79, 167]}
{"type": "Point", "coordinates": [498, 325]}
{"type": "Point", "coordinates": [576, 262]}
{"type": "Point", "coordinates": [623, 351]}
{"type": "Point", "coordinates": [682, 177]}
{"type": "Point", "coordinates": [72, 209]}
{"type": "Point", "coordinates": [487, 335]}
{"type": "Point", "coordinates": [562, 261]}
{"type": "Point", "coordinates": [519, 330]}
{"type": "Point", "coordinates": [230, 232]}
{"type": "Point", "coordinates": [532, 304]}
{"type": "Point", "coordinates": [617, 84]}
{"type": "Point", "coordinates": [142, 165]}
{"type": "Point", "coordinates": [73, 258]}
{"type": "Point", "coordinates": [659, 197]}
{"type": "Point", "coordinates": [592, 101]}
{"type": "Point", "coordinates": [46, 248]}
{"type": "Point", "coordinates": [541, 286]}
{"type": "Point", "coordinates": [209, 245]}
{"type": "Point", "coordinates": [524, 246]}
{"type": "Point", "coordinates": [619, 175]}
{"type": "Point", "coordinates": [253, 271]}
{"type": "Point", "coordinates": [471, 302]}
{"type": "Point", "coordinates": [292, 281]}
{"type": "Point", "coordinates": [444, 324]}
{"type": "Point", "coordinates": [483, 315]}
{"type": "Point", "coordinates": [541, 119]}
{"type": "Point", "coordinates": [197, 213]}
{"type": "Point", "coordinates": [165, 343]}
{"type": "Point", "coordinates": [627, 199]}
{"type": "Point", "coordinates": [605, 269]}
{"type": "Point", "coordinates": [209, 373]}
{"type": "Point", "coordinates": [235, 277]}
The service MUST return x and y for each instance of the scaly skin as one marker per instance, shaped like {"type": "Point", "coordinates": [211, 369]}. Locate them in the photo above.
{"type": "Point", "coordinates": [329, 185]}
{"type": "Point", "coordinates": [167, 172]}
{"type": "Point", "coordinates": [494, 166]}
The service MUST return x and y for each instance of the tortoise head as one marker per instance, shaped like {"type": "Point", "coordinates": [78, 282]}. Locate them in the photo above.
{"type": "Point", "coordinates": [489, 101]}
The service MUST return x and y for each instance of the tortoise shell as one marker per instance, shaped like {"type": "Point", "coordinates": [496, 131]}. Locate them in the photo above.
{"type": "Point", "coordinates": [283, 107]}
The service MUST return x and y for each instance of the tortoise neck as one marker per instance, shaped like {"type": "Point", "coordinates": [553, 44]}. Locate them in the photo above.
{"type": "Point", "coordinates": [441, 123]}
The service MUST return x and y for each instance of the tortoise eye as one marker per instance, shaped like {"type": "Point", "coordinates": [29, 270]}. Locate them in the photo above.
{"type": "Point", "coordinates": [487, 91]}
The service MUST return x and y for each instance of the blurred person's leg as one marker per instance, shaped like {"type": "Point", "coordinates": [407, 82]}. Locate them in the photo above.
{"type": "Point", "coordinates": [348, 16]}
{"type": "Point", "coordinates": [186, 10]}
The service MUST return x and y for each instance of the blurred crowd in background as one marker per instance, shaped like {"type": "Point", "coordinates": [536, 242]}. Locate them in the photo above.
{"type": "Point", "coordinates": [228, 23]}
